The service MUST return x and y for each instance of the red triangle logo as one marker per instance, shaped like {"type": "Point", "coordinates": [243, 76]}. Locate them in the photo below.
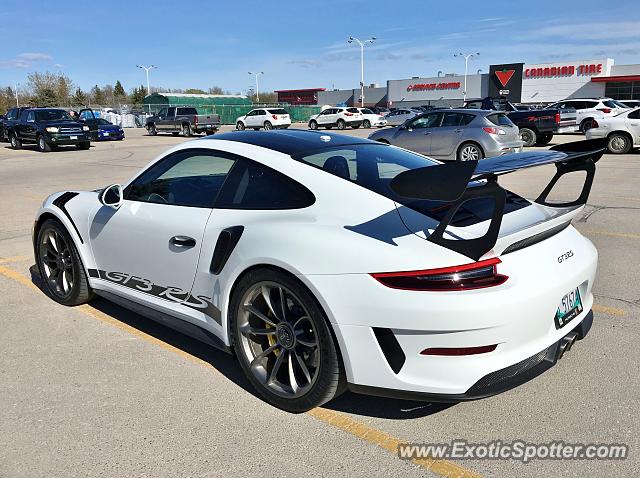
{"type": "Point", "coordinates": [504, 76]}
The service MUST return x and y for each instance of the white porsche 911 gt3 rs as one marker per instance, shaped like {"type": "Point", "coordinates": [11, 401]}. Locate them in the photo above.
{"type": "Point", "coordinates": [326, 262]}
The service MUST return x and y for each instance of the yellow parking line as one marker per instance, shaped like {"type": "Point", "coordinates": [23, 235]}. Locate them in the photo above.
{"type": "Point", "coordinates": [330, 417]}
{"type": "Point", "coordinates": [612, 234]}
{"type": "Point", "coordinates": [8, 260]}
{"type": "Point", "coordinates": [609, 310]}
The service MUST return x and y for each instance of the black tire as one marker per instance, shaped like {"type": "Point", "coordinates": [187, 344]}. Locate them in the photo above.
{"type": "Point", "coordinates": [240, 126]}
{"type": "Point", "coordinates": [328, 373]}
{"type": "Point", "coordinates": [366, 124]}
{"type": "Point", "coordinates": [341, 124]}
{"type": "Point", "coordinates": [15, 141]}
{"type": "Point", "coordinates": [267, 125]}
{"type": "Point", "coordinates": [586, 124]}
{"type": "Point", "coordinates": [84, 145]}
{"type": "Point", "coordinates": [313, 124]}
{"type": "Point", "coordinates": [79, 291]}
{"type": "Point", "coordinates": [3, 135]}
{"type": "Point", "coordinates": [528, 137]}
{"type": "Point", "coordinates": [42, 144]}
{"type": "Point", "coordinates": [152, 130]}
{"type": "Point", "coordinates": [469, 151]}
{"type": "Point", "coordinates": [619, 143]}
{"type": "Point", "coordinates": [544, 139]}
{"type": "Point", "coordinates": [186, 131]}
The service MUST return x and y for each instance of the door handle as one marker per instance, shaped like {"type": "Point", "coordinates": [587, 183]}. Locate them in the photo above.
{"type": "Point", "coordinates": [457, 131]}
{"type": "Point", "coordinates": [182, 241]}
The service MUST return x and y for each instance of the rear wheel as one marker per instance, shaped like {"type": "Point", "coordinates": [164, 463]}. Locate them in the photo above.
{"type": "Point", "coordinates": [619, 143]}
{"type": "Point", "coordinates": [152, 130]}
{"type": "Point", "coordinates": [586, 124]}
{"type": "Point", "coordinates": [544, 139]}
{"type": "Point", "coordinates": [60, 265]}
{"type": "Point", "coordinates": [43, 146]}
{"type": "Point", "coordinates": [528, 136]}
{"type": "Point", "coordinates": [469, 151]}
{"type": "Point", "coordinates": [186, 130]}
{"type": "Point", "coordinates": [240, 126]}
{"type": "Point", "coordinates": [15, 141]}
{"type": "Point", "coordinates": [268, 125]}
{"type": "Point", "coordinates": [313, 124]}
{"type": "Point", "coordinates": [366, 124]}
{"type": "Point", "coordinates": [341, 124]}
{"type": "Point", "coordinates": [283, 342]}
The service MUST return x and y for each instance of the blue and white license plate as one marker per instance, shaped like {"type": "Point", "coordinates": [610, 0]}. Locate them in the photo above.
{"type": "Point", "coordinates": [570, 307]}
{"type": "Point", "coordinates": [73, 137]}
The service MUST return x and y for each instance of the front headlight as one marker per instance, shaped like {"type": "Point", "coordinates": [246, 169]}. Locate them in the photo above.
{"type": "Point", "coordinates": [85, 128]}
{"type": "Point", "coordinates": [52, 129]}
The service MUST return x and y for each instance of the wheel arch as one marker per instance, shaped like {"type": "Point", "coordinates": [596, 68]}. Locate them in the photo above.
{"type": "Point", "coordinates": [470, 141]}
{"type": "Point", "coordinates": [623, 133]}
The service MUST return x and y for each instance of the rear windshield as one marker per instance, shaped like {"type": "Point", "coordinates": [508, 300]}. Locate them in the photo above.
{"type": "Point", "coordinates": [187, 111]}
{"type": "Point", "coordinates": [373, 166]}
{"type": "Point", "coordinates": [500, 120]}
{"type": "Point", "coordinates": [278, 111]}
{"type": "Point", "coordinates": [365, 111]}
{"type": "Point", "coordinates": [52, 115]}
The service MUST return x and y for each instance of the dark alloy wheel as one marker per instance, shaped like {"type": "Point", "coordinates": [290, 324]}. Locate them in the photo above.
{"type": "Point", "coordinates": [15, 142]}
{"type": "Point", "coordinates": [341, 124]}
{"type": "Point", "coordinates": [528, 137]}
{"type": "Point", "coordinates": [366, 124]}
{"type": "Point", "coordinates": [60, 265]}
{"type": "Point", "coordinates": [268, 125]}
{"type": "Point", "coordinates": [283, 342]}
{"type": "Point", "coordinates": [618, 143]}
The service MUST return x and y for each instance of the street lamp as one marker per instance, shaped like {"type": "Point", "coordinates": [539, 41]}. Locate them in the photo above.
{"type": "Point", "coordinates": [147, 69]}
{"type": "Point", "coordinates": [361, 43]}
{"type": "Point", "coordinates": [16, 90]}
{"type": "Point", "coordinates": [440, 72]}
{"type": "Point", "coordinates": [466, 64]}
{"type": "Point", "coordinates": [256, 74]}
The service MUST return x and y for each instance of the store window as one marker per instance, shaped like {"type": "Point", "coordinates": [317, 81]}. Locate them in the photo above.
{"type": "Point", "coordinates": [623, 90]}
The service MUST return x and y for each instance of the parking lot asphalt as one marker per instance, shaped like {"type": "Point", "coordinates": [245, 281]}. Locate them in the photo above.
{"type": "Point", "coordinates": [96, 390]}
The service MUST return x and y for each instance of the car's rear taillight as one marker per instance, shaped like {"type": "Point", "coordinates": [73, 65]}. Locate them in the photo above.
{"type": "Point", "coordinates": [274, 117]}
{"type": "Point", "coordinates": [463, 277]}
{"type": "Point", "coordinates": [348, 114]}
{"type": "Point", "coordinates": [557, 118]}
{"type": "Point", "coordinates": [605, 110]}
{"type": "Point", "coordinates": [493, 130]}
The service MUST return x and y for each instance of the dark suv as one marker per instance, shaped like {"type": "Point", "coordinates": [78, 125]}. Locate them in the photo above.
{"type": "Point", "coordinates": [11, 118]}
{"type": "Point", "coordinates": [48, 128]}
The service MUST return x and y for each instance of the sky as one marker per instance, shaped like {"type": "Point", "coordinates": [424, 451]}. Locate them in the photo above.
{"type": "Point", "coordinates": [302, 44]}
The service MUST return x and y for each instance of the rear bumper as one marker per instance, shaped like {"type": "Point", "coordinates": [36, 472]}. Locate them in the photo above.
{"type": "Point", "coordinates": [498, 381]}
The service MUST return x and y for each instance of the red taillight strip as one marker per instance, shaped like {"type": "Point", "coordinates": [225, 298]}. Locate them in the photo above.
{"type": "Point", "coordinates": [437, 283]}
{"type": "Point", "coordinates": [458, 351]}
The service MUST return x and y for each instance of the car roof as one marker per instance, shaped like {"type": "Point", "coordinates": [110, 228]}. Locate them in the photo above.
{"type": "Point", "coordinates": [290, 142]}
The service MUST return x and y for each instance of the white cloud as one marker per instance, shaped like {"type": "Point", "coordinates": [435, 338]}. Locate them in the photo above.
{"type": "Point", "coordinates": [587, 31]}
{"type": "Point", "coordinates": [26, 60]}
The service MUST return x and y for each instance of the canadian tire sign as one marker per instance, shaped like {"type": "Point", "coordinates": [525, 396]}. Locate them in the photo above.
{"type": "Point", "coordinates": [506, 80]}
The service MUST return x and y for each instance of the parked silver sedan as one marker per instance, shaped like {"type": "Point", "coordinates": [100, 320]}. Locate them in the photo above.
{"type": "Point", "coordinates": [461, 134]}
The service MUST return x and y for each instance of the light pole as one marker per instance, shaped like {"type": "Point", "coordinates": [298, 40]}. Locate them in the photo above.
{"type": "Point", "coordinates": [147, 69]}
{"type": "Point", "coordinates": [256, 74]}
{"type": "Point", "coordinates": [361, 43]}
{"type": "Point", "coordinates": [466, 64]}
{"type": "Point", "coordinates": [16, 89]}
{"type": "Point", "coordinates": [440, 72]}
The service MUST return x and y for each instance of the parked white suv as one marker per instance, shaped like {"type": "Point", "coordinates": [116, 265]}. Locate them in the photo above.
{"type": "Point", "coordinates": [622, 131]}
{"type": "Point", "coordinates": [337, 116]}
{"type": "Point", "coordinates": [589, 108]}
{"type": "Point", "coordinates": [369, 118]}
{"type": "Point", "coordinates": [267, 118]}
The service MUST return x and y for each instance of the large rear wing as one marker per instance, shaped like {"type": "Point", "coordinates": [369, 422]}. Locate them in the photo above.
{"type": "Point", "coordinates": [451, 183]}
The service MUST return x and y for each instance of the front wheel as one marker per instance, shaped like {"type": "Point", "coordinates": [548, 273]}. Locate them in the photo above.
{"type": "Point", "coordinates": [60, 265]}
{"type": "Point", "coordinates": [528, 137]}
{"type": "Point", "coordinates": [366, 124]}
{"type": "Point", "coordinates": [267, 125]}
{"type": "Point", "coordinates": [43, 146]}
{"type": "Point", "coordinates": [619, 143]}
{"type": "Point", "coordinates": [152, 130]}
{"type": "Point", "coordinates": [15, 141]}
{"type": "Point", "coordinates": [283, 342]}
{"type": "Point", "coordinates": [469, 152]}
{"type": "Point", "coordinates": [341, 124]}
{"type": "Point", "coordinates": [313, 124]}
{"type": "Point", "coordinates": [240, 126]}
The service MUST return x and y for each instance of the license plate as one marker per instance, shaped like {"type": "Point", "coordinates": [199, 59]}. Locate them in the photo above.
{"type": "Point", "coordinates": [105, 134]}
{"type": "Point", "coordinates": [570, 307]}
{"type": "Point", "coordinates": [73, 137]}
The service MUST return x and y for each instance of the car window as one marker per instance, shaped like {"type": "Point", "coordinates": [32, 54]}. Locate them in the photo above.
{"type": "Point", "coordinates": [426, 121]}
{"type": "Point", "coordinates": [278, 111]}
{"type": "Point", "coordinates": [187, 111]}
{"type": "Point", "coordinates": [12, 114]}
{"type": "Point", "coordinates": [31, 117]}
{"type": "Point", "coordinates": [611, 104]}
{"type": "Point", "coordinates": [474, 104]}
{"type": "Point", "coordinates": [51, 115]}
{"type": "Point", "coordinates": [162, 112]}
{"type": "Point", "coordinates": [634, 114]}
{"type": "Point", "coordinates": [366, 111]}
{"type": "Point", "coordinates": [189, 178]}
{"type": "Point", "coordinates": [453, 119]}
{"type": "Point", "coordinates": [589, 104]}
{"type": "Point", "coordinates": [171, 112]}
{"type": "Point", "coordinates": [252, 185]}
{"type": "Point", "coordinates": [353, 110]}
{"type": "Point", "coordinates": [102, 121]}
{"type": "Point", "coordinates": [500, 119]}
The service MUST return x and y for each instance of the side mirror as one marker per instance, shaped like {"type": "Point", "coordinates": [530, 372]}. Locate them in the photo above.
{"type": "Point", "coordinates": [112, 196]}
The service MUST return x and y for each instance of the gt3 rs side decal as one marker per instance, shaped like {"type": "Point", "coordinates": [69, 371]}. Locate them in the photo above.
{"type": "Point", "coordinates": [174, 294]}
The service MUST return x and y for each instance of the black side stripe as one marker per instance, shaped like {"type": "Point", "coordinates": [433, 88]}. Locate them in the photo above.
{"type": "Point", "coordinates": [170, 293]}
{"type": "Point", "coordinates": [60, 202]}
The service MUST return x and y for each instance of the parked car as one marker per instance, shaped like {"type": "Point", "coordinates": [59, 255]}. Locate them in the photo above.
{"type": "Point", "coordinates": [340, 117]}
{"type": "Point", "coordinates": [48, 128]}
{"type": "Point", "coordinates": [381, 110]}
{"type": "Point", "coordinates": [267, 118]}
{"type": "Point", "coordinates": [589, 108]}
{"type": "Point", "coordinates": [399, 116]}
{"type": "Point", "coordinates": [11, 118]}
{"type": "Point", "coordinates": [369, 118]}
{"type": "Point", "coordinates": [630, 103]}
{"type": "Point", "coordinates": [622, 131]}
{"type": "Point", "coordinates": [102, 130]}
{"type": "Point", "coordinates": [455, 134]}
{"type": "Point", "coordinates": [185, 120]}
{"type": "Point", "coordinates": [537, 127]}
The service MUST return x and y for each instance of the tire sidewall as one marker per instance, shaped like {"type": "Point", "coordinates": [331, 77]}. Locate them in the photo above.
{"type": "Point", "coordinates": [465, 145]}
{"type": "Point", "coordinates": [366, 124]}
{"type": "Point", "coordinates": [326, 385]}
{"type": "Point", "coordinates": [627, 146]}
{"type": "Point", "coordinates": [531, 134]}
{"type": "Point", "coordinates": [313, 124]}
{"type": "Point", "coordinates": [341, 124]}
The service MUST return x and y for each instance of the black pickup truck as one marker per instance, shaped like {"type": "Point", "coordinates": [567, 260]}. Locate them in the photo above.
{"type": "Point", "coordinates": [537, 127]}
{"type": "Point", "coordinates": [48, 128]}
{"type": "Point", "coordinates": [11, 118]}
{"type": "Point", "coordinates": [182, 119]}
